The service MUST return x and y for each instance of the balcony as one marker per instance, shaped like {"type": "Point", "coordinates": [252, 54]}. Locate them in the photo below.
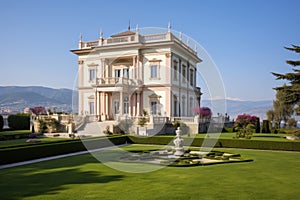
{"type": "Point", "coordinates": [117, 81]}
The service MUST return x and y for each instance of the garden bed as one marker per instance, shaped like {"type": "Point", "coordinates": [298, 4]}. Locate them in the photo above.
{"type": "Point", "coordinates": [190, 158]}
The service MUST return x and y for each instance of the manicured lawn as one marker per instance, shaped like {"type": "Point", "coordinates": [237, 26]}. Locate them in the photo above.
{"type": "Point", "coordinates": [22, 142]}
{"type": "Point", "coordinates": [272, 175]}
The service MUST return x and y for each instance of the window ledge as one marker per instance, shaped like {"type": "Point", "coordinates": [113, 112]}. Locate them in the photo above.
{"type": "Point", "coordinates": [154, 78]}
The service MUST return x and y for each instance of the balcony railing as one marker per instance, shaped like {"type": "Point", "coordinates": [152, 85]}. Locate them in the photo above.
{"type": "Point", "coordinates": [133, 39]}
{"type": "Point", "coordinates": [112, 81]}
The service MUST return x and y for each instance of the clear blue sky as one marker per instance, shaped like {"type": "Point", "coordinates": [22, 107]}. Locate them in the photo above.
{"type": "Point", "coordinates": [244, 38]}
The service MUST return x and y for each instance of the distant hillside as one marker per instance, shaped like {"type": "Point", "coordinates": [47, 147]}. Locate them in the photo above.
{"type": "Point", "coordinates": [234, 108]}
{"type": "Point", "coordinates": [17, 98]}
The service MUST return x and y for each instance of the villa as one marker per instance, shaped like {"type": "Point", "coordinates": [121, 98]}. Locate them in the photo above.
{"type": "Point", "coordinates": [130, 73]}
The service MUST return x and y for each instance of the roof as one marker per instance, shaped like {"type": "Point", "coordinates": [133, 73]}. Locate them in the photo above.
{"type": "Point", "coordinates": [125, 33]}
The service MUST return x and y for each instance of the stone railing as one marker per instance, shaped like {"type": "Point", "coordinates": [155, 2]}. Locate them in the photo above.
{"type": "Point", "coordinates": [183, 119]}
{"type": "Point", "coordinates": [159, 120]}
{"type": "Point", "coordinates": [110, 81]}
{"type": "Point", "coordinates": [115, 40]}
{"type": "Point", "coordinates": [155, 37]}
{"type": "Point", "coordinates": [148, 38]}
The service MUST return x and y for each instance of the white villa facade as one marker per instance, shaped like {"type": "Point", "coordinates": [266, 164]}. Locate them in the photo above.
{"type": "Point", "coordinates": [129, 73]}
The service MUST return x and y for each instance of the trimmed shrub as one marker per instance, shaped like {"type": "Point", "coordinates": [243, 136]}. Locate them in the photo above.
{"type": "Point", "coordinates": [1, 122]}
{"type": "Point", "coordinates": [257, 129]}
{"type": "Point", "coordinates": [224, 143]}
{"type": "Point", "coordinates": [266, 127]}
{"type": "Point", "coordinates": [19, 121]}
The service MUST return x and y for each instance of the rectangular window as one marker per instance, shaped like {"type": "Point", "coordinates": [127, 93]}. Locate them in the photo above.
{"type": "Point", "coordinates": [154, 107]}
{"type": "Point", "coordinates": [191, 105]}
{"type": "Point", "coordinates": [92, 74]}
{"type": "Point", "coordinates": [92, 108]}
{"type": "Point", "coordinates": [175, 71]}
{"type": "Point", "coordinates": [183, 106]}
{"type": "Point", "coordinates": [183, 73]}
{"type": "Point", "coordinates": [191, 77]}
{"type": "Point", "coordinates": [126, 105]}
{"type": "Point", "coordinates": [116, 107]}
{"type": "Point", "coordinates": [117, 73]}
{"type": "Point", "coordinates": [126, 73]}
{"type": "Point", "coordinates": [153, 71]}
{"type": "Point", "coordinates": [175, 106]}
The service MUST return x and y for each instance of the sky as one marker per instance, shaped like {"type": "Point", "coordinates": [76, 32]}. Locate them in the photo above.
{"type": "Point", "coordinates": [245, 39]}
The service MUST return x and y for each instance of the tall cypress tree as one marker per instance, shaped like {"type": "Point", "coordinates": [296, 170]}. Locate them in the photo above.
{"type": "Point", "coordinates": [292, 90]}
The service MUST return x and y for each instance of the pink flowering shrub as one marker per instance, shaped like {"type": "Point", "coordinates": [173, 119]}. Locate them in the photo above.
{"type": "Point", "coordinates": [39, 110]}
{"type": "Point", "coordinates": [204, 112]}
{"type": "Point", "coordinates": [245, 125]}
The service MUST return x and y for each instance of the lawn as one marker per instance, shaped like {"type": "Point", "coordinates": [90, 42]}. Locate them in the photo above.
{"type": "Point", "coordinates": [272, 175]}
{"type": "Point", "coordinates": [22, 142]}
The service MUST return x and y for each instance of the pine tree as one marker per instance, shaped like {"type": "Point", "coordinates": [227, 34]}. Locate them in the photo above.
{"type": "Point", "coordinates": [291, 91]}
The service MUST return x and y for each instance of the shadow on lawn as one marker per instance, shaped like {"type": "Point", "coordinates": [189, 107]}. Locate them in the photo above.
{"type": "Point", "coordinates": [49, 178]}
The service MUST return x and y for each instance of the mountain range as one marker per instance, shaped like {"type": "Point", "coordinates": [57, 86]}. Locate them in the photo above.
{"type": "Point", "coordinates": [16, 98]}
{"type": "Point", "coordinates": [236, 107]}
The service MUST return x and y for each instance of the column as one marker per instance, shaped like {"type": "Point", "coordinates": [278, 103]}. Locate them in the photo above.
{"type": "Point", "coordinates": [106, 106]}
{"type": "Point", "coordinates": [132, 75]}
{"type": "Point", "coordinates": [138, 67]}
{"type": "Point", "coordinates": [96, 105]}
{"type": "Point", "coordinates": [99, 106]}
{"type": "Point", "coordinates": [134, 105]}
{"type": "Point", "coordinates": [121, 104]}
{"type": "Point", "coordinates": [138, 98]}
{"type": "Point", "coordinates": [102, 105]}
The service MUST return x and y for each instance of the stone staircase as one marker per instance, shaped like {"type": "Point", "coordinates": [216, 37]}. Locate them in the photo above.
{"type": "Point", "coordinates": [94, 128]}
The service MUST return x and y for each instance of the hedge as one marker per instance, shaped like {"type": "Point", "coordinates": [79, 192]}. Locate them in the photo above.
{"type": "Point", "coordinates": [19, 122]}
{"type": "Point", "coordinates": [1, 122]}
{"type": "Point", "coordinates": [9, 136]}
{"type": "Point", "coordinates": [266, 127]}
{"type": "Point", "coordinates": [19, 154]}
{"type": "Point", "coordinates": [226, 143]}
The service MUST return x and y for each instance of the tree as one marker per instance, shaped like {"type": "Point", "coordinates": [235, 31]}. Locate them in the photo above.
{"type": "Point", "coordinates": [270, 117]}
{"type": "Point", "coordinates": [282, 109]}
{"type": "Point", "coordinates": [265, 127]}
{"type": "Point", "coordinates": [245, 124]}
{"type": "Point", "coordinates": [291, 91]}
{"type": "Point", "coordinates": [292, 123]}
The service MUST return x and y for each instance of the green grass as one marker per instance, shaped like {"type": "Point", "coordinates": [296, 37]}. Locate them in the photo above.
{"type": "Point", "coordinates": [22, 142]}
{"type": "Point", "coordinates": [272, 175]}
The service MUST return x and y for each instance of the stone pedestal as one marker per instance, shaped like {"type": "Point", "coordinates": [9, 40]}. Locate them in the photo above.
{"type": "Point", "coordinates": [179, 151]}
